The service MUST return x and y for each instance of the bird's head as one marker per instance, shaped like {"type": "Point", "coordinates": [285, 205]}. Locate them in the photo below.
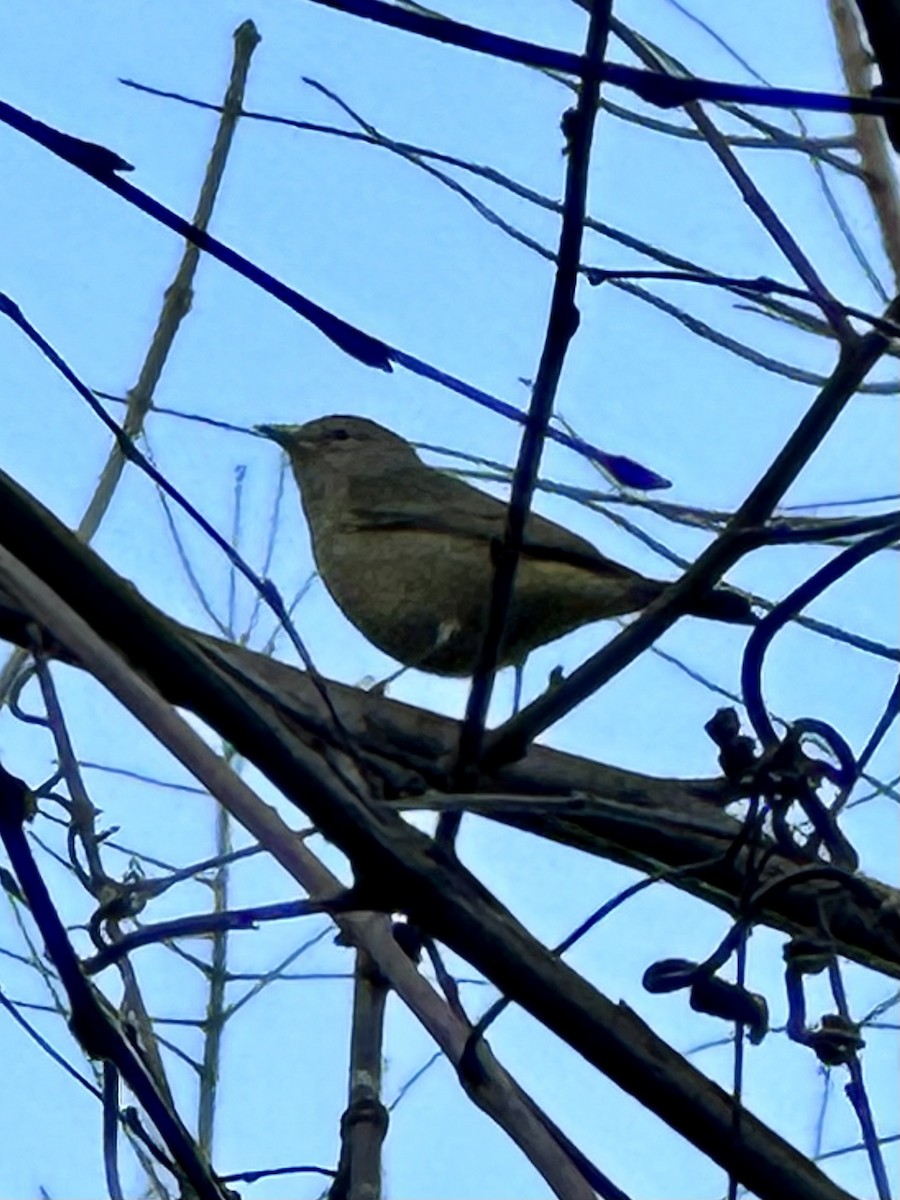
{"type": "Point", "coordinates": [337, 439]}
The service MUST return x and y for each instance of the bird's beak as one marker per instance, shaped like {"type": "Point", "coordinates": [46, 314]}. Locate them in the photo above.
{"type": "Point", "coordinates": [284, 435]}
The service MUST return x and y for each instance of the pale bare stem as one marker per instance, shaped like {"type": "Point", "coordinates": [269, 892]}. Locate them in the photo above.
{"type": "Point", "coordinates": [176, 305]}
{"type": "Point", "coordinates": [771, 138]}
{"type": "Point", "coordinates": [216, 974]}
{"type": "Point", "coordinates": [179, 294]}
{"type": "Point", "coordinates": [879, 175]}
{"type": "Point", "coordinates": [183, 556]}
{"type": "Point", "coordinates": [777, 138]}
{"type": "Point", "coordinates": [768, 305]}
{"type": "Point", "coordinates": [753, 197]}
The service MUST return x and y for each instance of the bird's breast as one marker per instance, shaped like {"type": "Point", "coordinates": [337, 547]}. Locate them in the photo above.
{"type": "Point", "coordinates": [423, 597]}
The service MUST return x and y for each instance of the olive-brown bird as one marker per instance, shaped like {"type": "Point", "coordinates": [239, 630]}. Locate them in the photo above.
{"type": "Point", "coordinates": [406, 552]}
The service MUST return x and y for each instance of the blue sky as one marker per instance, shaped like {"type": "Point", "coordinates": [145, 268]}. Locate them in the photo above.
{"type": "Point", "coordinates": [386, 247]}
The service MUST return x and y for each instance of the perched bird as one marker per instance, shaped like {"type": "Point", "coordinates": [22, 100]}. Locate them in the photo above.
{"type": "Point", "coordinates": [406, 552]}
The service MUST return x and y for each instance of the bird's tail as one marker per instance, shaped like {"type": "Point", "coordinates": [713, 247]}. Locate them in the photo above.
{"type": "Point", "coordinates": [724, 605]}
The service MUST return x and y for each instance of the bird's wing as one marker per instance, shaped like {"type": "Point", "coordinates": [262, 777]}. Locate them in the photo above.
{"type": "Point", "coordinates": [452, 508]}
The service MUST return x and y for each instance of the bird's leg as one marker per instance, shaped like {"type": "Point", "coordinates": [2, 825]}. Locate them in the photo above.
{"type": "Point", "coordinates": [379, 689]}
{"type": "Point", "coordinates": [447, 630]}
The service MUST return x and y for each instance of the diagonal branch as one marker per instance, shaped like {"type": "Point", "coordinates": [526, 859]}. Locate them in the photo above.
{"type": "Point", "coordinates": [645, 823]}
{"type": "Point", "coordinates": [561, 326]}
{"type": "Point", "coordinates": [853, 365]}
{"type": "Point", "coordinates": [398, 868]}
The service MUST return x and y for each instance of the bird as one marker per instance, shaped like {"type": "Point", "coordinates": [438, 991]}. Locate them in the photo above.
{"type": "Point", "coordinates": [407, 553]}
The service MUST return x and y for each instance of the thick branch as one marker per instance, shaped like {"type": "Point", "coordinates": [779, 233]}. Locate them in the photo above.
{"type": "Point", "coordinates": [640, 821]}
{"type": "Point", "coordinates": [398, 868]}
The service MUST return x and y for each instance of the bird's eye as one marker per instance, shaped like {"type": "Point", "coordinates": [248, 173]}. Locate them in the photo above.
{"type": "Point", "coordinates": [340, 435]}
